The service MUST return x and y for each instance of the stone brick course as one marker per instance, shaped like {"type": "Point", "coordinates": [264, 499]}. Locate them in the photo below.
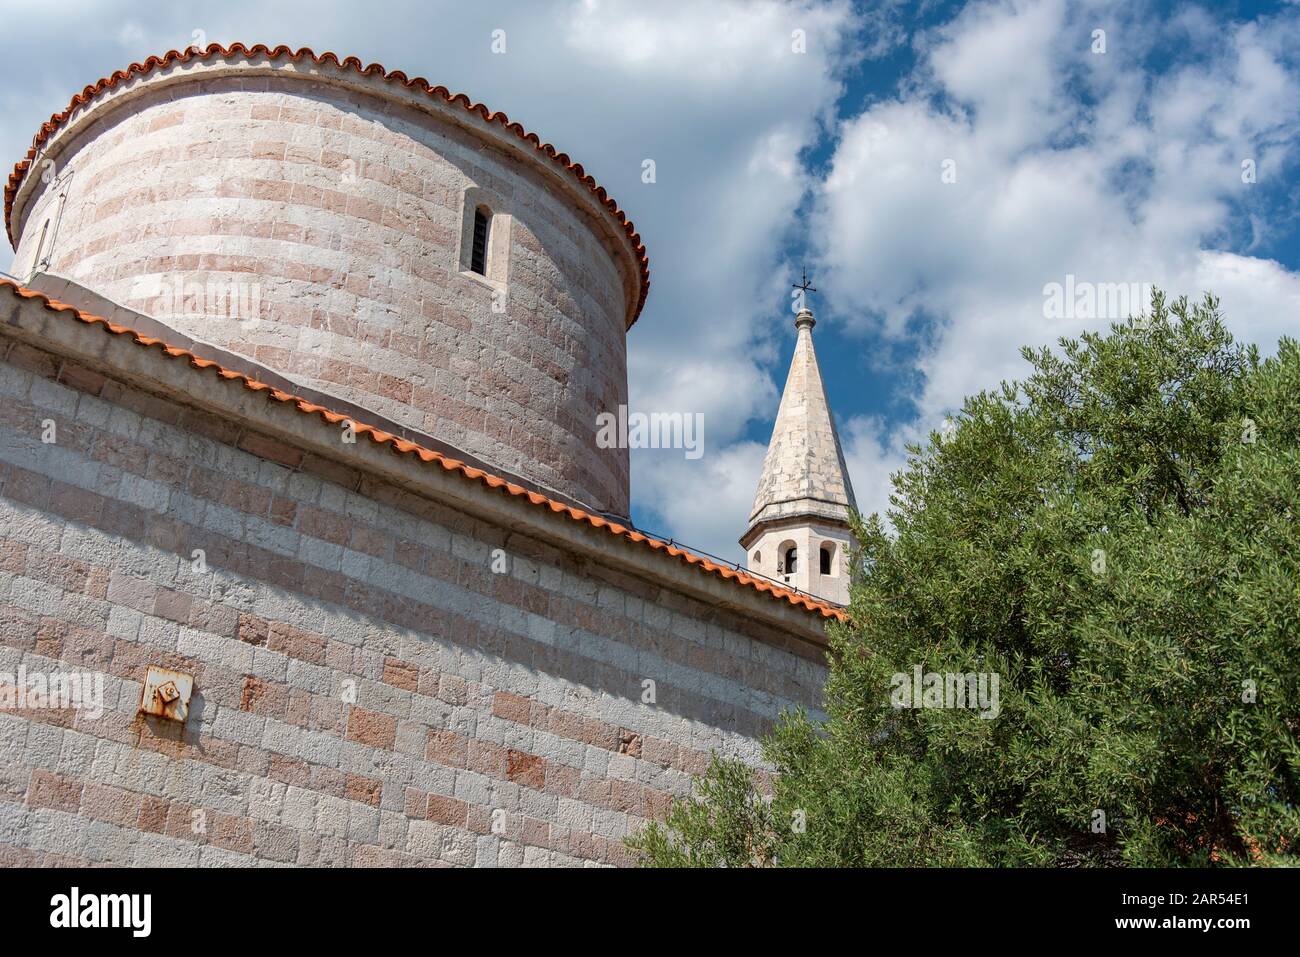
{"type": "Point", "coordinates": [341, 212]}
{"type": "Point", "coordinates": [368, 691]}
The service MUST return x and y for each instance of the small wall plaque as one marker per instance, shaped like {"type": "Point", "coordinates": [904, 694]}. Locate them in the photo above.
{"type": "Point", "coordinates": [166, 693]}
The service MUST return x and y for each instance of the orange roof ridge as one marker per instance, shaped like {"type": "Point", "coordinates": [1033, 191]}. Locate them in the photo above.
{"type": "Point", "coordinates": [404, 447]}
{"type": "Point", "coordinates": [374, 69]}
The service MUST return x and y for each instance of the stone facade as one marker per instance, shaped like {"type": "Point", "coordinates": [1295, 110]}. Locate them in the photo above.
{"type": "Point", "coordinates": [366, 520]}
{"type": "Point", "coordinates": [316, 220]}
{"type": "Point", "coordinates": [804, 495]}
{"type": "Point", "coordinates": [769, 553]}
{"type": "Point", "coordinates": [511, 698]}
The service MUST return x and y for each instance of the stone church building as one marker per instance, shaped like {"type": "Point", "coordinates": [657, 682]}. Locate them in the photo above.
{"type": "Point", "coordinates": [299, 375]}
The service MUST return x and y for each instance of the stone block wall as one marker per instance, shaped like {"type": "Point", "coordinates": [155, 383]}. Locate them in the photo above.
{"type": "Point", "coordinates": [368, 691]}
{"type": "Point", "coordinates": [808, 536]}
{"type": "Point", "coordinates": [320, 229]}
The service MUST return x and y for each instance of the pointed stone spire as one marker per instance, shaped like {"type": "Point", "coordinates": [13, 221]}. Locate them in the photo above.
{"type": "Point", "coordinates": [804, 494]}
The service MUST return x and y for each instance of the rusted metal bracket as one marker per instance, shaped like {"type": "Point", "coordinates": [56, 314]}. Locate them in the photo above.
{"type": "Point", "coordinates": [166, 694]}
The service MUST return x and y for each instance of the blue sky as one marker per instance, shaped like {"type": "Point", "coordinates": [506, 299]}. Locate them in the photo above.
{"type": "Point", "coordinates": [848, 356]}
{"type": "Point", "coordinates": [1122, 166]}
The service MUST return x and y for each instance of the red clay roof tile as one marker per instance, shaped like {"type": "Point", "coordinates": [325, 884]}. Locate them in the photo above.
{"type": "Point", "coordinates": [283, 52]}
{"type": "Point", "coordinates": [404, 447]}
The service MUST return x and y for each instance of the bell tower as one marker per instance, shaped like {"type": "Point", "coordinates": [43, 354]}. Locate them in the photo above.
{"type": "Point", "coordinates": [799, 530]}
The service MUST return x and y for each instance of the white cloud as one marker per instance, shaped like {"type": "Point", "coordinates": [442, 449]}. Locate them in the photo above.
{"type": "Point", "coordinates": [1068, 162]}
{"type": "Point", "coordinates": [705, 503]}
{"type": "Point", "coordinates": [873, 453]}
{"type": "Point", "coordinates": [711, 91]}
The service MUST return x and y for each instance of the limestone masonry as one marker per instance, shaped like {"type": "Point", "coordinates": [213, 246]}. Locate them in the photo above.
{"type": "Point", "coordinates": [799, 527]}
{"type": "Point", "coordinates": [343, 196]}
{"type": "Point", "coordinates": [298, 391]}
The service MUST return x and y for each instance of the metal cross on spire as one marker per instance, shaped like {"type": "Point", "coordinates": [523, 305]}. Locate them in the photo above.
{"type": "Point", "coordinates": [804, 288]}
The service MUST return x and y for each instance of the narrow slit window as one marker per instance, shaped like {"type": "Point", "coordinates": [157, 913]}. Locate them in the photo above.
{"type": "Point", "coordinates": [826, 560]}
{"type": "Point", "coordinates": [478, 250]}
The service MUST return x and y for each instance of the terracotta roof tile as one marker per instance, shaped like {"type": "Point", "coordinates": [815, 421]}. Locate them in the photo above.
{"type": "Point", "coordinates": [374, 69]}
{"type": "Point", "coordinates": [404, 447]}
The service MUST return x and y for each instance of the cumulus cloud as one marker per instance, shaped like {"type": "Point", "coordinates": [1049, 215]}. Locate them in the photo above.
{"type": "Point", "coordinates": [706, 502]}
{"type": "Point", "coordinates": [713, 92]}
{"type": "Point", "coordinates": [873, 452]}
{"type": "Point", "coordinates": [1115, 167]}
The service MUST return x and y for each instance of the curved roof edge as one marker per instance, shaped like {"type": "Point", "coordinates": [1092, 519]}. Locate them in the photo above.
{"type": "Point", "coordinates": [429, 457]}
{"type": "Point", "coordinates": [282, 52]}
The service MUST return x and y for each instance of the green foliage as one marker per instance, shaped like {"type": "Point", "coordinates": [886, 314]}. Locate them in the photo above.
{"type": "Point", "coordinates": [1115, 538]}
{"type": "Point", "coordinates": [720, 828]}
